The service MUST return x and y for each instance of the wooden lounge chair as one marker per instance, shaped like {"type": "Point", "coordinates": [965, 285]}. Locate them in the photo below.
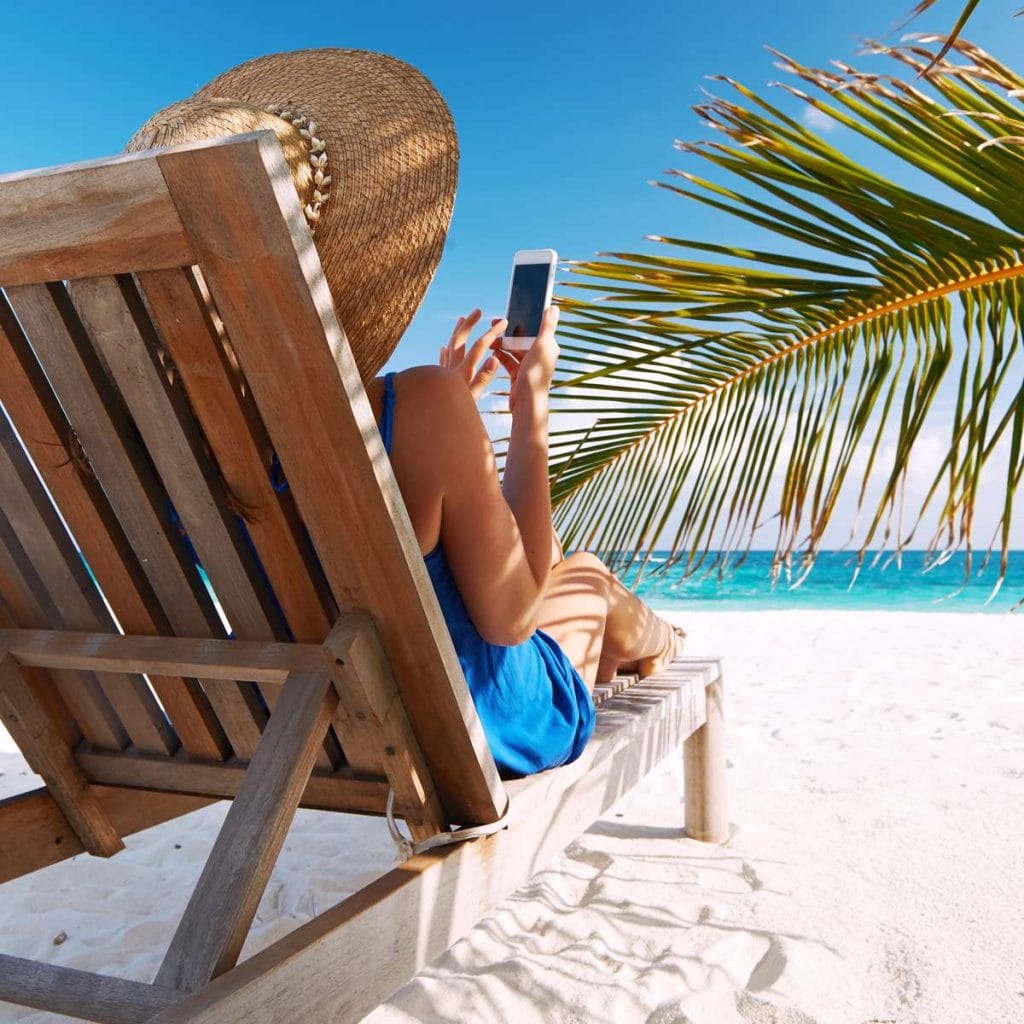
{"type": "Point", "coordinates": [164, 327]}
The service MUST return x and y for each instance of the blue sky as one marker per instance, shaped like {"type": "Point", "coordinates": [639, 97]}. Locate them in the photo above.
{"type": "Point", "coordinates": [564, 111]}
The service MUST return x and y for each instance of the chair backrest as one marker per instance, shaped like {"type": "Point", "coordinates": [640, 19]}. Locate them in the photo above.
{"type": "Point", "coordinates": [165, 327]}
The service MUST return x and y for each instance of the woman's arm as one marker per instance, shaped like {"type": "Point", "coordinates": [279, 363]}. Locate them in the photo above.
{"type": "Point", "coordinates": [526, 484]}
{"type": "Point", "coordinates": [464, 357]}
{"type": "Point", "coordinates": [497, 537]}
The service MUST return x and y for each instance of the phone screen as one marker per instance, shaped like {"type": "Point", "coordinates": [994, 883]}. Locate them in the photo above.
{"type": "Point", "coordinates": [526, 301]}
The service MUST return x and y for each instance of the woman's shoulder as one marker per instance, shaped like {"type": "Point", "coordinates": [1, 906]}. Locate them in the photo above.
{"type": "Point", "coordinates": [426, 380]}
{"type": "Point", "coordinates": [434, 396]}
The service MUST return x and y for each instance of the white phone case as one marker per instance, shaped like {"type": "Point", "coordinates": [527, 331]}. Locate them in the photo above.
{"type": "Point", "coordinates": [548, 256]}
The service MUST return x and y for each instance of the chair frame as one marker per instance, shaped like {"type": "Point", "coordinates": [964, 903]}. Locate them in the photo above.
{"type": "Point", "coordinates": [107, 267]}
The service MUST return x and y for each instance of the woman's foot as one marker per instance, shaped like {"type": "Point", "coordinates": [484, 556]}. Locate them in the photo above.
{"type": "Point", "coordinates": [673, 646]}
{"type": "Point", "coordinates": [674, 637]}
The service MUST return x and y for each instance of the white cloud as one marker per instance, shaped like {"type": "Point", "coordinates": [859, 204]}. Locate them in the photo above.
{"type": "Point", "coordinates": [816, 119]}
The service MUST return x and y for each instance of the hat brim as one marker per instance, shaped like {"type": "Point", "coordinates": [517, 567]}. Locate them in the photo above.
{"type": "Point", "coordinates": [393, 159]}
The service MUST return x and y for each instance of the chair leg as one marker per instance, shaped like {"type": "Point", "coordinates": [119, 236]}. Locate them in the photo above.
{"type": "Point", "coordinates": [707, 818]}
{"type": "Point", "coordinates": [226, 897]}
{"type": "Point", "coordinates": [38, 737]}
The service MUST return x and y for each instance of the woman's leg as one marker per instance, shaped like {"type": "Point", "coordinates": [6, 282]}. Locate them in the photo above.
{"type": "Point", "coordinates": [599, 623]}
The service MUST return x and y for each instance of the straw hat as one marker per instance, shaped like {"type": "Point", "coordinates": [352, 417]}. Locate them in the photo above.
{"type": "Point", "coordinates": [374, 157]}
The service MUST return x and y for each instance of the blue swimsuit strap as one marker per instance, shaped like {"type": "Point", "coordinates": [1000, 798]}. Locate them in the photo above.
{"type": "Point", "coordinates": [388, 414]}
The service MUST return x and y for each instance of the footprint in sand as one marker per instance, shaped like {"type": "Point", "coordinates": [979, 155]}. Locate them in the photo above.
{"type": "Point", "coordinates": [751, 877]}
{"type": "Point", "coordinates": [769, 968]}
{"type": "Point", "coordinates": [668, 1015]}
{"type": "Point", "coordinates": [759, 1011]}
{"type": "Point", "coordinates": [899, 966]}
{"type": "Point", "coordinates": [592, 858]}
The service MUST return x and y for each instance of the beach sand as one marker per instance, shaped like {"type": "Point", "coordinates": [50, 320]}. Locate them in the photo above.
{"type": "Point", "coordinates": [874, 872]}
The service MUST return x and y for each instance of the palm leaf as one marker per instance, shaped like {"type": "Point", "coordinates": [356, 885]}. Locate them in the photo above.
{"type": "Point", "coordinates": [718, 387]}
{"type": "Point", "coordinates": [954, 33]}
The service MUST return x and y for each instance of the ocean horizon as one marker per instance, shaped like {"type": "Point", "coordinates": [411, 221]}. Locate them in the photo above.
{"type": "Point", "coordinates": [883, 584]}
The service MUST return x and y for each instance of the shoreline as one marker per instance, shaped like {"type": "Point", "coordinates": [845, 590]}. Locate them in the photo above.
{"type": "Point", "coordinates": [876, 787]}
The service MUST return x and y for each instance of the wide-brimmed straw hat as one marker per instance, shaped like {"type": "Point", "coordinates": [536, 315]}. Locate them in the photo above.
{"type": "Point", "coordinates": [374, 157]}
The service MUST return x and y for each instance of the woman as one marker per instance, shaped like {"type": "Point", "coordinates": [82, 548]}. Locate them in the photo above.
{"type": "Point", "coordinates": [373, 157]}
{"type": "Point", "coordinates": [534, 632]}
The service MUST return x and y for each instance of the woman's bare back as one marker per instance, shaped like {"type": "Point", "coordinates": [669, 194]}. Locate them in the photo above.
{"type": "Point", "coordinates": [412, 460]}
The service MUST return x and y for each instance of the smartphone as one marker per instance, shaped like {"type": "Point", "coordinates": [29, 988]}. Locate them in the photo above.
{"type": "Point", "coordinates": [529, 294]}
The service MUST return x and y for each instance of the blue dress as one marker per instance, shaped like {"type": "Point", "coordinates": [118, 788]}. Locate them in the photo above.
{"type": "Point", "coordinates": [535, 708]}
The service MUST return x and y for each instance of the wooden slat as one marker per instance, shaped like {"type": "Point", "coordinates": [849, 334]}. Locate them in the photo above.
{"type": "Point", "coordinates": [35, 834]}
{"type": "Point", "coordinates": [178, 774]}
{"type": "Point", "coordinates": [43, 745]}
{"type": "Point", "coordinates": [375, 717]}
{"type": "Point", "coordinates": [175, 446]}
{"type": "Point", "coordinates": [257, 257]}
{"type": "Point", "coordinates": [605, 691]}
{"type": "Point", "coordinates": [224, 902]}
{"type": "Point", "coordinates": [79, 993]}
{"type": "Point", "coordinates": [78, 691]}
{"type": "Point", "coordinates": [73, 596]}
{"type": "Point", "coordinates": [134, 494]}
{"type": "Point", "coordinates": [18, 604]}
{"type": "Point", "coordinates": [115, 320]}
{"type": "Point", "coordinates": [341, 965]}
{"type": "Point", "coordinates": [255, 660]}
{"type": "Point", "coordinates": [238, 441]}
{"type": "Point", "coordinates": [46, 434]}
{"type": "Point", "coordinates": [89, 218]}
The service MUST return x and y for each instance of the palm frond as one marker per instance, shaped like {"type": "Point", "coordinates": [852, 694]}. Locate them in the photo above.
{"type": "Point", "coordinates": [954, 33]}
{"type": "Point", "coordinates": [725, 386]}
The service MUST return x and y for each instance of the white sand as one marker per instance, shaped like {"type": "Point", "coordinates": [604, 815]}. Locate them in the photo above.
{"type": "Point", "coordinates": [876, 768]}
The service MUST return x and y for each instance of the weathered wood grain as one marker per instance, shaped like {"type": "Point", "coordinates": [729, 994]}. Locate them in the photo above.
{"type": "Point", "coordinates": [339, 966]}
{"type": "Point", "coordinates": [113, 315]}
{"type": "Point", "coordinates": [179, 774]}
{"type": "Point", "coordinates": [256, 255]}
{"type": "Point", "coordinates": [33, 731]}
{"type": "Point", "coordinates": [19, 604]}
{"type": "Point", "coordinates": [175, 445]}
{"type": "Point", "coordinates": [262, 661]}
{"type": "Point", "coordinates": [225, 898]}
{"type": "Point", "coordinates": [138, 499]}
{"type": "Point", "coordinates": [95, 218]}
{"type": "Point", "coordinates": [238, 440]}
{"type": "Point", "coordinates": [35, 834]}
{"type": "Point", "coordinates": [375, 729]}
{"type": "Point", "coordinates": [79, 993]}
{"type": "Point", "coordinates": [49, 440]}
{"type": "Point", "coordinates": [73, 598]}
{"type": "Point", "coordinates": [83, 702]}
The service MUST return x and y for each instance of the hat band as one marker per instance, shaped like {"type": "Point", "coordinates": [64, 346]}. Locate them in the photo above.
{"type": "Point", "coordinates": [317, 159]}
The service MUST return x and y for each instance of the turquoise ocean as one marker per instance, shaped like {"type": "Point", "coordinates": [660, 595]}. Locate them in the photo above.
{"type": "Point", "coordinates": [882, 586]}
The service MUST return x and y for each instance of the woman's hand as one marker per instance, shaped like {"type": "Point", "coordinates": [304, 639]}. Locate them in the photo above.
{"type": "Point", "coordinates": [455, 356]}
{"type": "Point", "coordinates": [531, 372]}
